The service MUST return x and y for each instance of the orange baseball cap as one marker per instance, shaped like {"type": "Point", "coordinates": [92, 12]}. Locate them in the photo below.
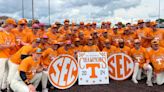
{"type": "Point", "coordinates": [25, 20]}
{"type": "Point", "coordinates": [21, 22]}
{"type": "Point", "coordinates": [81, 23]}
{"type": "Point", "coordinates": [77, 39]}
{"type": "Point", "coordinates": [73, 23]}
{"type": "Point", "coordinates": [140, 21]}
{"type": "Point", "coordinates": [104, 31]}
{"type": "Point", "coordinates": [126, 28]}
{"type": "Point", "coordinates": [107, 41]}
{"type": "Point", "coordinates": [108, 22]}
{"type": "Point", "coordinates": [66, 23]}
{"type": "Point", "coordinates": [66, 20]}
{"type": "Point", "coordinates": [153, 23]}
{"type": "Point", "coordinates": [137, 41]}
{"type": "Point", "coordinates": [94, 23]}
{"type": "Point", "coordinates": [57, 23]}
{"type": "Point", "coordinates": [103, 23]}
{"type": "Point", "coordinates": [69, 32]}
{"type": "Point", "coordinates": [55, 42]}
{"type": "Point", "coordinates": [89, 37]}
{"type": "Point", "coordinates": [54, 26]}
{"type": "Point", "coordinates": [10, 21]}
{"type": "Point", "coordinates": [88, 24]}
{"type": "Point", "coordinates": [120, 40]}
{"type": "Point", "coordinates": [119, 23]}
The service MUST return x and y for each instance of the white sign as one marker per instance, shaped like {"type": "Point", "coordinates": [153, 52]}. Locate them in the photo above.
{"type": "Point", "coordinates": [93, 68]}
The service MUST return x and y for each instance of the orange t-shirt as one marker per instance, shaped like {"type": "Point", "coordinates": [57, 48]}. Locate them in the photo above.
{"type": "Point", "coordinates": [6, 38]}
{"type": "Point", "coordinates": [120, 31]}
{"type": "Point", "coordinates": [115, 38]}
{"type": "Point", "coordinates": [63, 31]}
{"type": "Point", "coordinates": [159, 34]}
{"type": "Point", "coordinates": [109, 51]}
{"type": "Point", "coordinates": [52, 36]}
{"type": "Point", "coordinates": [25, 50]}
{"type": "Point", "coordinates": [88, 32]}
{"type": "Point", "coordinates": [29, 66]}
{"type": "Point", "coordinates": [93, 48]}
{"type": "Point", "coordinates": [18, 36]}
{"type": "Point", "coordinates": [62, 50]}
{"type": "Point", "coordinates": [46, 56]}
{"type": "Point", "coordinates": [145, 32]}
{"type": "Point", "coordinates": [102, 40]}
{"type": "Point", "coordinates": [125, 50]}
{"type": "Point", "coordinates": [139, 55]}
{"type": "Point", "coordinates": [29, 37]}
{"type": "Point", "coordinates": [40, 33]}
{"type": "Point", "coordinates": [157, 59]}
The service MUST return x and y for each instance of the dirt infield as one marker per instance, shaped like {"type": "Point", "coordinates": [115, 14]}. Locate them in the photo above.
{"type": "Point", "coordinates": [115, 86]}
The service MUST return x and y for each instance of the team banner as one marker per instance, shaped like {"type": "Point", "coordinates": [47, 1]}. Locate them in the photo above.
{"type": "Point", "coordinates": [93, 68]}
{"type": "Point", "coordinates": [120, 66]}
{"type": "Point", "coordinates": [63, 71]}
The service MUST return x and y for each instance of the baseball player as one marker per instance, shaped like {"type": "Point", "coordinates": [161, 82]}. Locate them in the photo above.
{"type": "Point", "coordinates": [141, 60]}
{"type": "Point", "coordinates": [156, 55]}
{"type": "Point", "coordinates": [16, 59]}
{"type": "Point", "coordinates": [7, 42]}
{"type": "Point", "coordinates": [29, 73]}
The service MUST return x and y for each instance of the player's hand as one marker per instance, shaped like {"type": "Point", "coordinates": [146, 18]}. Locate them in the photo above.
{"type": "Point", "coordinates": [45, 68]}
{"type": "Point", "coordinates": [31, 88]}
{"type": "Point", "coordinates": [12, 45]}
{"type": "Point", "coordinates": [39, 69]}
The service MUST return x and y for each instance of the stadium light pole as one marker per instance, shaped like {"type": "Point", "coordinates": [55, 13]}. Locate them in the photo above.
{"type": "Point", "coordinates": [32, 9]}
{"type": "Point", "coordinates": [22, 8]}
{"type": "Point", "coordinates": [159, 13]}
{"type": "Point", "coordinates": [49, 11]}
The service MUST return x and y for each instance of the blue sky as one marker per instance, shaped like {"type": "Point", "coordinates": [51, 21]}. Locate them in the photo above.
{"type": "Point", "coordinates": [85, 10]}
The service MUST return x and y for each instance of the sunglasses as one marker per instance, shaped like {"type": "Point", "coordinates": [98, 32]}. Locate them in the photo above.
{"type": "Point", "coordinates": [22, 24]}
{"type": "Point", "coordinates": [36, 28]}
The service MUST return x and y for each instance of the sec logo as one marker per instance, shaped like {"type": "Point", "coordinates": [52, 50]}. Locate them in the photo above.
{"type": "Point", "coordinates": [63, 71]}
{"type": "Point", "coordinates": [120, 66]}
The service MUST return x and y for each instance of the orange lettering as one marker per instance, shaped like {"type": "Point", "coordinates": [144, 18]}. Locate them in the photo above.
{"type": "Point", "coordinates": [126, 62]}
{"type": "Point", "coordinates": [93, 66]}
{"type": "Point", "coordinates": [119, 66]}
{"type": "Point", "coordinates": [112, 67]}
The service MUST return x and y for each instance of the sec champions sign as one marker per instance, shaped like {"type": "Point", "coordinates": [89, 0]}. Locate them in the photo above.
{"type": "Point", "coordinates": [63, 71]}
{"type": "Point", "coordinates": [120, 66]}
{"type": "Point", "coordinates": [93, 68]}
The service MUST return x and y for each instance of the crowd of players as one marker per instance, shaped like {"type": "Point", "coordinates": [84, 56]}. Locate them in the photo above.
{"type": "Point", "coordinates": [26, 52]}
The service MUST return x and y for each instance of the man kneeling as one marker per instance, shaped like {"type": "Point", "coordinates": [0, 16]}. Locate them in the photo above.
{"type": "Point", "coordinates": [29, 74]}
{"type": "Point", "coordinates": [141, 60]}
{"type": "Point", "coordinates": [156, 55]}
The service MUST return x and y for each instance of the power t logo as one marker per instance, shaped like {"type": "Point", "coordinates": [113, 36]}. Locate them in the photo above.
{"type": "Point", "coordinates": [120, 66]}
{"type": "Point", "coordinates": [63, 72]}
{"type": "Point", "coordinates": [93, 68]}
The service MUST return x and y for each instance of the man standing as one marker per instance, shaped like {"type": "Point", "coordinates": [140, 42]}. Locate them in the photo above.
{"type": "Point", "coordinates": [7, 42]}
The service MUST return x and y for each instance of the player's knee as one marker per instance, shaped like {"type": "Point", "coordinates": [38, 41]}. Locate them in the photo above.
{"type": "Point", "coordinates": [149, 68]}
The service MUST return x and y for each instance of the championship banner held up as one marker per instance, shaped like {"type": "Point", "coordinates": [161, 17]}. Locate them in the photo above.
{"type": "Point", "coordinates": [93, 68]}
